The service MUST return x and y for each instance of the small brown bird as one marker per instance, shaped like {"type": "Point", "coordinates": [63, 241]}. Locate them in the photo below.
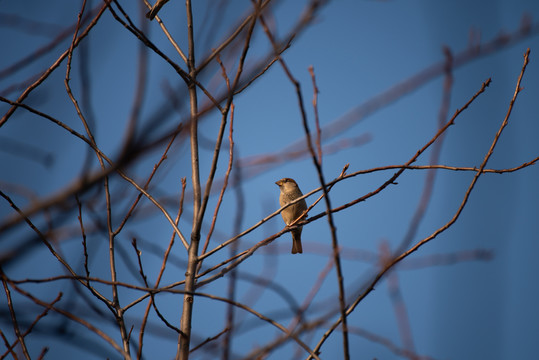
{"type": "Point", "coordinates": [289, 192]}
{"type": "Point", "coordinates": [155, 9]}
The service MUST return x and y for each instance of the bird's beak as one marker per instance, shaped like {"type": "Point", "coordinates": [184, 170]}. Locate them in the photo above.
{"type": "Point", "coordinates": [278, 182]}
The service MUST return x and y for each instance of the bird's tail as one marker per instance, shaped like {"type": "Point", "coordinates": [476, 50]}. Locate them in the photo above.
{"type": "Point", "coordinates": [296, 242]}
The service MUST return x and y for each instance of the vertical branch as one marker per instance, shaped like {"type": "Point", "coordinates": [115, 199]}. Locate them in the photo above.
{"type": "Point", "coordinates": [187, 312]}
{"type": "Point", "coordinates": [83, 235]}
{"type": "Point", "coordinates": [213, 168]}
{"type": "Point", "coordinates": [447, 225]}
{"type": "Point", "coordinates": [316, 116]}
{"type": "Point", "coordinates": [14, 322]}
{"type": "Point", "coordinates": [200, 203]}
{"type": "Point", "coordinates": [118, 311]}
{"type": "Point", "coordinates": [384, 185]}
{"type": "Point", "coordinates": [334, 242]}
{"type": "Point", "coordinates": [193, 103]}
{"type": "Point", "coordinates": [318, 166]}
{"type": "Point", "coordinates": [160, 275]}
{"type": "Point", "coordinates": [140, 89]}
{"type": "Point", "coordinates": [224, 114]}
{"type": "Point", "coordinates": [225, 183]}
{"type": "Point", "coordinates": [240, 208]}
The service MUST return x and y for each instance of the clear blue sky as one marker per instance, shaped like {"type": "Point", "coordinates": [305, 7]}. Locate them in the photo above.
{"type": "Point", "coordinates": [472, 309]}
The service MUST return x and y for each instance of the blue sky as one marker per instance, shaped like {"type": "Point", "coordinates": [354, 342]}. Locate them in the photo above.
{"type": "Point", "coordinates": [359, 49]}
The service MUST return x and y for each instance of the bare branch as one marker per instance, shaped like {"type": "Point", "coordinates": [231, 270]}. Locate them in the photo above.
{"type": "Point", "coordinates": [414, 248]}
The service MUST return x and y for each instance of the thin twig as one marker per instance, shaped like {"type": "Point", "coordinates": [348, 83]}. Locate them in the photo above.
{"type": "Point", "coordinates": [392, 179]}
{"type": "Point", "coordinates": [83, 234]}
{"type": "Point", "coordinates": [318, 166]}
{"type": "Point", "coordinates": [422, 77]}
{"type": "Point", "coordinates": [145, 280]}
{"type": "Point", "coordinates": [208, 340]}
{"type": "Point", "coordinates": [84, 183]}
{"type": "Point", "coordinates": [397, 300]}
{"type": "Point", "coordinates": [53, 67]}
{"type": "Point", "coordinates": [49, 246]}
{"type": "Point", "coordinates": [227, 174]}
{"type": "Point", "coordinates": [217, 149]}
{"type": "Point", "coordinates": [142, 37]}
{"type": "Point", "coordinates": [70, 316]}
{"type": "Point", "coordinates": [167, 34]}
{"type": "Point", "coordinates": [146, 185]}
{"type": "Point", "coordinates": [118, 312]}
{"type": "Point", "coordinates": [318, 140]}
{"type": "Point", "coordinates": [249, 19]}
{"type": "Point", "coordinates": [388, 344]}
{"type": "Point", "coordinates": [264, 318]}
{"type": "Point", "coordinates": [161, 272]}
{"type": "Point", "coordinates": [434, 156]}
{"type": "Point", "coordinates": [443, 228]}
{"type": "Point", "coordinates": [59, 37]}
{"type": "Point", "coordinates": [14, 322]}
{"type": "Point", "coordinates": [31, 327]}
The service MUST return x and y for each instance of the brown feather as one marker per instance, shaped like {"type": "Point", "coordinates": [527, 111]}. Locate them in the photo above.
{"type": "Point", "coordinates": [289, 192]}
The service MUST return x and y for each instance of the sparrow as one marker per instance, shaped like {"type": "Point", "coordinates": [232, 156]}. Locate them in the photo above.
{"type": "Point", "coordinates": [289, 192]}
{"type": "Point", "coordinates": [155, 9]}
